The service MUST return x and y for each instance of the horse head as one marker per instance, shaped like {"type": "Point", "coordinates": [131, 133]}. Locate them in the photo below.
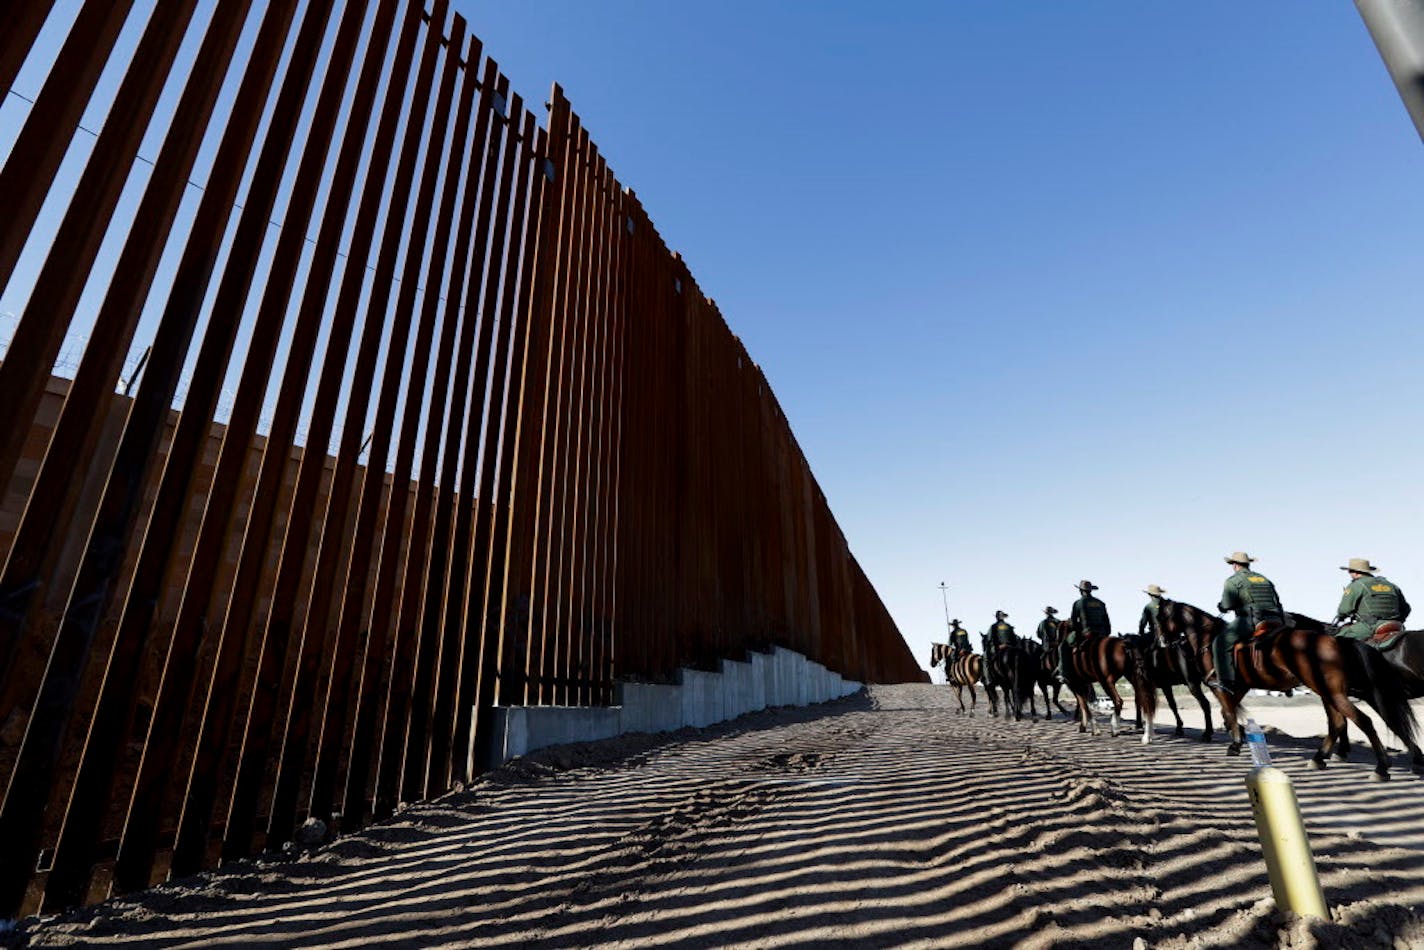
{"type": "Point", "coordinates": [1196, 626]}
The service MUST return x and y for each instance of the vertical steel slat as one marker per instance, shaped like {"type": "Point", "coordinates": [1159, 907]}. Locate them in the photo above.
{"type": "Point", "coordinates": [238, 637]}
{"type": "Point", "coordinates": [526, 552]}
{"type": "Point", "coordinates": [275, 641]}
{"type": "Point", "coordinates": [378, 751]}
{"type": "Point", "coordinates": [218, 529]}
{"type": "Point", "coordinates": [50, 309]}
{"type": "Point", "coordinates": [38, 150]}
{"type": "Point", "coordinates": [421, 623]}
{"type": "Point", "coordinates": [556, 633]}
{"type": "Point", "coordinates": [441, 618]}
{"type": "Point", "coordinates": [325, 784]}
{"type": "Point", "coordinates": [443, 604]}
{"type": "Point", "coordinates": [454, 600]}
{"type": "Point", "coordinates": [92, 591]}
{"type": "Point", "coordinates": [443, 318]}
{"type": "Point", "coordinates": [590, 601]}
{"type": "Point", "coordinates": [118, 702]}
{"type": "Point", "coordinates": [289, 733]}
{"type": "Point", "coordinates": [504, 680]}
{"type": "Point", "coordinates": [618, 394]}
{"type": "Point", "coordinates": [32, 560]}
{"type": "Point", "coordinates": [571, 602]}
{"type": "Point", "coordinates": [547, 601]}
{"type": "Point", "coordinates": [501, 293]}
{"type": "Point", "coordinates": [542, 638]}
{"type": "Point", "coordinates": [451, 629]}
{"type": "Point", "coordinates": [23, 21]}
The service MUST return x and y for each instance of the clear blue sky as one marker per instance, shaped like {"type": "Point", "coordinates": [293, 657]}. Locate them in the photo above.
{"type": "Point", "coordinates": [1048, 290]}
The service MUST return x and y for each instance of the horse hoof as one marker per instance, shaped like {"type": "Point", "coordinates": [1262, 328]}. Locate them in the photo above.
{"type": "Point", "coordinates": [1380, 774]}
{"type": "Point", "coordinates": [1317, 764]}
{"type": "Point", "coordinates": [1180, 732]}
{"type": "Point", "coordinates": [1233, 749]}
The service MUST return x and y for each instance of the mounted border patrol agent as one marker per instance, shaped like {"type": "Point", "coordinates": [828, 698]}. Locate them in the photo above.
{"type": "Point", "coordinates": [1252, 597]}
{"type": "Point", "coordinates": [958, 639]}
{"type": "Point", "coordinates": [1151, 618]}
{"type": "Point", "coordinates": [1089, 618]}
{"type": "Point", "coordinates": [1370, 601]}
{"type": "Point", "coordinates": [1001, 634]}
{"type": "Point", "coordinates": [1047, 627]}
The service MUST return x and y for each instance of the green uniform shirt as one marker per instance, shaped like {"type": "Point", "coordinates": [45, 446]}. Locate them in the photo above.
{"type": "Point", "coordinates": [1252, 596]}
{"type": "Point", "coordinates": [1047, 629]}
{"type": "Point", "coordinates": [1373, 600]}
{"type": "Point", "coordinates": [1090, 616]}
{"type": "Point", "coordinates": [1001, 634]}
{"type": "Point", "coordinates": [959, 640]}
{"type": "Point", "coordinates": [1151, 619]}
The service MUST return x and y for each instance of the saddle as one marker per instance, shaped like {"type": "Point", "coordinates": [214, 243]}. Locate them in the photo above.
{"type": "Point", "coordinates": [1267, 627]}
{"type": "Point", "coordinates": [1386, 635]}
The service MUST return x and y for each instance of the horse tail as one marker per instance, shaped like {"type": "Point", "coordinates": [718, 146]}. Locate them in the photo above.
{"type": "Point", "coordinates": [1387, 692]}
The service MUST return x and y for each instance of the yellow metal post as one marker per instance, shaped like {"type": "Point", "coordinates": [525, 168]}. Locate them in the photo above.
{"type": "Point", "coordinates": [1286, 848]}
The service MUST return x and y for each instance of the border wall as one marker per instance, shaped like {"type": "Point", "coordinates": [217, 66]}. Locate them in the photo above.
{"type": "Point", "coordinates": [310, 253]}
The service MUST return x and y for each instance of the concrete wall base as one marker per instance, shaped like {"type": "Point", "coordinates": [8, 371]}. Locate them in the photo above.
{"type": "Point", "coordinates": [779, 678]}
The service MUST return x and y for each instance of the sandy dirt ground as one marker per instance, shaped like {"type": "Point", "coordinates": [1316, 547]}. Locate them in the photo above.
{"type": "Point", "coordinates": [885, 819]}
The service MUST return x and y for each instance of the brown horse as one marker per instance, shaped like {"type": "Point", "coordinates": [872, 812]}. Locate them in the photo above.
{"type": "Point", "coordinates": [1287, 658]}
{"type": "Point", "coordinates": [965, 671]}
{"type": "Point", "coordinates": [1043, 661]}
{"type": "Point", "coordinates": [959, 672]}
{"type": "Point", "coordinates": [1105, 661]}
{"type": "Point", "coordinates": [1170, 663]}
{"type": "Point", "coordinates": [1372, 672]}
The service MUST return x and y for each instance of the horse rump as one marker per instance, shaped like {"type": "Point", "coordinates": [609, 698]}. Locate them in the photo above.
{"type": "Point", "coordinates": [1382, 687]}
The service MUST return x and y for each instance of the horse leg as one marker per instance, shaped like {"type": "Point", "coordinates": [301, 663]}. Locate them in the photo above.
{"type": "Point", "coordinates": [1342, 748]}
{"type": "Point", "coordinates": [1228, 719]}
{"type": "Point", "coordinates": [1168, 692]}
{"type": "Point", "coordinates": [1201, 699]}
{"type": "Point", "coordinates": [1148, 698]}
{"type": "Point", "coordinates": [1058, 691]}
{"type": "Point", "coordinates": [1334, 729]}
{"type": "Point", "coordinates": [1114, 724]}
{"type": "Point", "coordinates": [1350, 711]}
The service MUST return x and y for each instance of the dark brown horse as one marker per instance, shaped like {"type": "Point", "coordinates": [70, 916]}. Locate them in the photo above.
{"type": "Point", "coordinates": [1105, 661]}
{"type": "Point", "coordinates": [1285, 659]}
{"type": "Point", "coordinates": [1371, 671]}
{"type": "Point", "coordinates": [1043, 661]}
{"type": "Point", "coordinates": [1168, 663]}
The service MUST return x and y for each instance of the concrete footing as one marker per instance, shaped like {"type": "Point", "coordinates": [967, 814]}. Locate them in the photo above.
{"type": "Point", "coordinates": [699, 698]}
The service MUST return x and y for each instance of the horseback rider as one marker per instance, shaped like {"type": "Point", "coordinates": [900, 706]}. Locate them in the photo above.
{"type": "Point", "coordinates": [958, 640]}
{"type": "Point", "coordinates": [1369, 600]}
{"type": "Point", "coordinates": [1089, 618]}
{"type": "Point", "coordinates": [1151, 619]}
{"type": "Point", "coordinates": [1001, 633]}
{"type": "Point", "coordinates": [1048, 627]}
{"type": "Point", "coordinates": [1254, 600]}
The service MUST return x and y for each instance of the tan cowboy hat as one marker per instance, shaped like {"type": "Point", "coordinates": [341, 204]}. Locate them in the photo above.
{"type": "Point", "coordinates": [1240, 557]}
{"type": "Point", "coordinates": [1050, 610]}
{"type": "Point", "coordinates": [1087, 585]}
{"type": "Point", "coordinates": [1360, 565]}
{"type": "Point", "coordinates": [1154, 591]}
